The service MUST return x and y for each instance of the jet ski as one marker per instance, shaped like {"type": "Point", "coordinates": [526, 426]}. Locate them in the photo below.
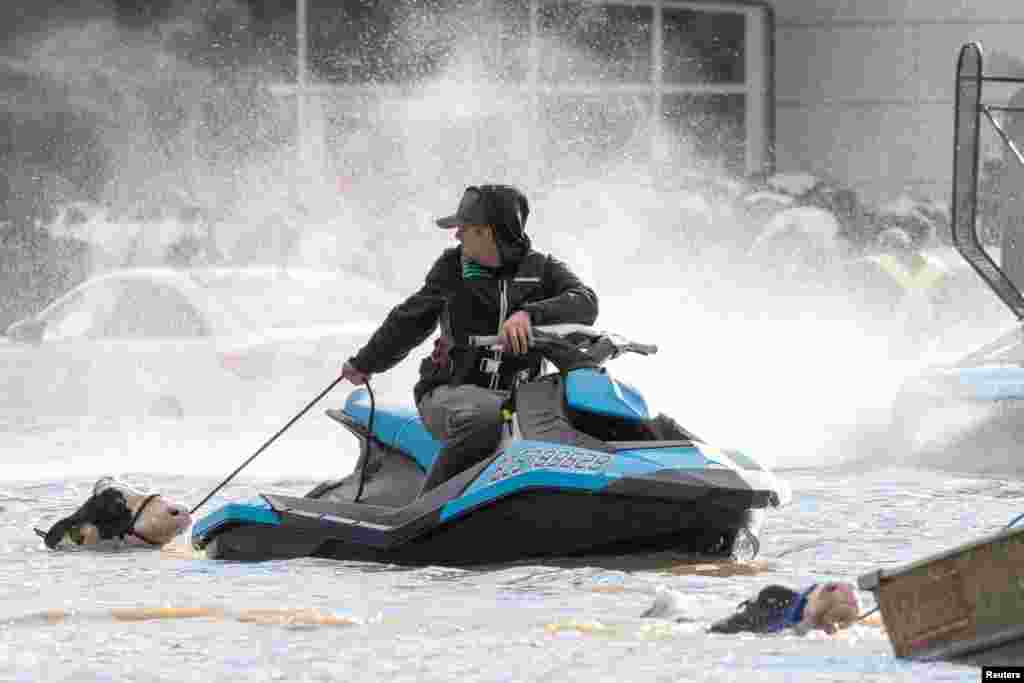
{"type": "Point", "coordinates": [583, 468]}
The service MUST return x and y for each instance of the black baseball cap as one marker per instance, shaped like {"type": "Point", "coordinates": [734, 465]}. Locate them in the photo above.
{"type": "Point", "coordinates": [472, 211]}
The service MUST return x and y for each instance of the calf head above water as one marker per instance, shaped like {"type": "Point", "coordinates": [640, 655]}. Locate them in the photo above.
{"type": "Point", "coordinates": [115, 510]}
{"type": "Point", "coordinates": [831, 607]}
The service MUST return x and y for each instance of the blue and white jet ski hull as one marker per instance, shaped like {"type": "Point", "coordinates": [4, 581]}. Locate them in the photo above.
{"type": "Point", "coordinates": [583, 468]}
{"type": "Point", "coordinates": [530, 500]}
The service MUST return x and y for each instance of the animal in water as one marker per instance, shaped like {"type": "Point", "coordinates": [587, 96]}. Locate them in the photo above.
{"type": "Point", "coordinates": [828, 607]}
{"type": "Point", "coordinates": [116, 514]}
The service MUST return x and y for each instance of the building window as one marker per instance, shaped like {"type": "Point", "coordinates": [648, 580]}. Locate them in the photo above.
{"type": "Point", "coordinates": [596, 71]}
{"type": "Point", "coordinates": [703, 46]}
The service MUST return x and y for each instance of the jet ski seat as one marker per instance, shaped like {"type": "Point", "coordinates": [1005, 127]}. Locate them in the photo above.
{"type": "Point", "coordinates": [397, 427]}
{"type": "Point", "coordinates": [589, 391]}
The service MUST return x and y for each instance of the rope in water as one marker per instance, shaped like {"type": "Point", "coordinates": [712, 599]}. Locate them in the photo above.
{"type": "Point", "coordinates": [868, 613]}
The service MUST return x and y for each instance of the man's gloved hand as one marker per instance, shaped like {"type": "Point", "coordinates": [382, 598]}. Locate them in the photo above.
{"type": "Point", "coordinates": [352, 374]}
{"type": "Point", "coordinates": [515, 333]}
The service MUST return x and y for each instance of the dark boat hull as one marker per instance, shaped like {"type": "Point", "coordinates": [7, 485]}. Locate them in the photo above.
{"type": "Point", "coordinates": [530, 524]}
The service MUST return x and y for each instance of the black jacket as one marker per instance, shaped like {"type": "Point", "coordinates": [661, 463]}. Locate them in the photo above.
{"type": "Point", "coordinates": [536, 283]}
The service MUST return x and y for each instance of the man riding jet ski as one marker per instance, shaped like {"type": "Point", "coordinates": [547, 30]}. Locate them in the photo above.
{"type": "Point", "coordinates": [492, 283]}
{"type": "Point", "coordinates": [499, 461]}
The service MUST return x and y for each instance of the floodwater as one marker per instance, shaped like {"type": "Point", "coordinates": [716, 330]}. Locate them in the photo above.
{"type": "Point", "coordinates": [802, 395]}
{"type": "Point", "coordinates": [334, 621]}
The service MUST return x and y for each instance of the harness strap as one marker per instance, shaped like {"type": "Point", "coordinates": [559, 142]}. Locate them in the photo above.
{"type": "Point", "coordinates": [495, 367]}
{"type": "Point", "coordinates": [138, 513]}
{"type": "Point", "coordinates": [794, 612]}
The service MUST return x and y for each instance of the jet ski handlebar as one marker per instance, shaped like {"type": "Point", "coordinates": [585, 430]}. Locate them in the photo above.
{"type": "Point", "coordinates": [547, 334]}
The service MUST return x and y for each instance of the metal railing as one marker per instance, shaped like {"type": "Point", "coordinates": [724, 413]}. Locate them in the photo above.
{"type": "Point", "coordinates": [968, 110]}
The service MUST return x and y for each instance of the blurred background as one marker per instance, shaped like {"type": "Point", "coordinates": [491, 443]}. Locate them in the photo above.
{"type": "Point", "coordinates": [770, 177]}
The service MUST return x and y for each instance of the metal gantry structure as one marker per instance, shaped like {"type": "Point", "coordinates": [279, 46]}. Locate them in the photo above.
{"type": "Point", "coordinates": [969, 107]}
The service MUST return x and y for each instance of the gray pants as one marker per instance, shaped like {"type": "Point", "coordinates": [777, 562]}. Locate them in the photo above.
{"type": "Point", "coordinates": [467, 420]}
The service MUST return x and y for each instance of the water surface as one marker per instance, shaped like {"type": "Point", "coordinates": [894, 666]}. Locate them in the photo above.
{"type": "Point", "coordinates": [534, 621]}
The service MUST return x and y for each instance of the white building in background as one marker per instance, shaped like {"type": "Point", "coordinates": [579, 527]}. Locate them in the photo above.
{"type": "Point", "coordinates": [864, 88]}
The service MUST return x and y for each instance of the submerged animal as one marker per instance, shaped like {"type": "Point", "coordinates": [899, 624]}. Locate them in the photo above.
{"type": "Point", "coordinates": [828, 607]}
{"type": "Point", "coordinates": [119, 513]}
